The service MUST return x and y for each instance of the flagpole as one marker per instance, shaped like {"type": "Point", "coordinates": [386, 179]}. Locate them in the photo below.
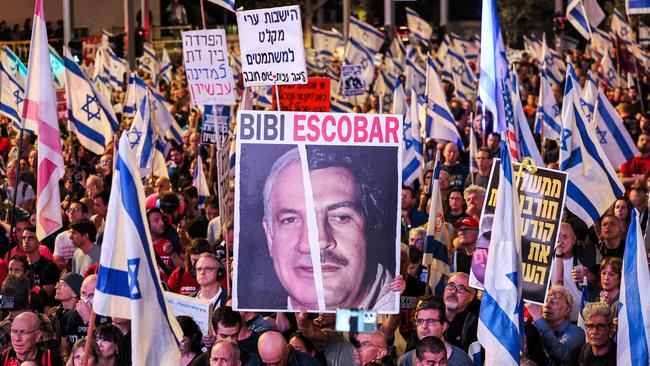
{"type": "Point", "coordinates": [17, 181]}
{"type": "Point", "coordinates": [277, 96]}
{"type": "Point", "coordinates": [222, 213]}
{"type": "Point", "coordinates": [473, 137]}
{"type": "Point", "coordinates": [89, 337]}
{"type": "Point", "coordinates": [203, 15]}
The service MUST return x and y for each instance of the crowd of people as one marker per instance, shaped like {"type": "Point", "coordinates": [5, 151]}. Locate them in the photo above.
{"type": "Point", "coordinates": [48, 286]}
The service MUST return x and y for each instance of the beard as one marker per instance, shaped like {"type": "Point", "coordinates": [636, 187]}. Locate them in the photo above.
{"type": "Point", "coordinates": [451, 303]}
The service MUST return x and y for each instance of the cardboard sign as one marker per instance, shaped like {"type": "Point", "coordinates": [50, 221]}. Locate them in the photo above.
{"type": "Point", "coordinates": [209, 76]}
{"type": "Point", "coordinates": [541, 199]}
{"type": "Point", "coordinates": [352, 81]}
{"type": "Point", "coordinates": [298, 173]}
{"type": "Point", "coordinates": [272, 46]}
{"type": "Point", "coordinates": [311, 97]}
{"type": "Point", "coordinates": [216, 125]}
{"type": "Point", "coordinates": [197, 309]}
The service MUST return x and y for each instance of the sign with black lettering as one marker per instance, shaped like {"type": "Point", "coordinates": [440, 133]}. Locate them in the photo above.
{"type": "Point", "coordinates": [209, 76]}
{"type": "Point", "coordinates": [311, 97]}
{"type": "Point", "coordinates": [216, 120]}
{"type": "Point", "coordinates": [352, 81]}
{"type": "Point", "coordinates": [541, 200]}
{"type": "Point", "coordinates": [272, 46]}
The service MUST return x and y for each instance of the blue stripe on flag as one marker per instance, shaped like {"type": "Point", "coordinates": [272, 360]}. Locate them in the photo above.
{"type": "Point", "coordinates": [616, 133]}
{"type": "Point", "coordinates": [86, 130]}
{"type": "Point", "coordinates": [582, 200]}
{"type": "Point", "coordinates": [500, 325]}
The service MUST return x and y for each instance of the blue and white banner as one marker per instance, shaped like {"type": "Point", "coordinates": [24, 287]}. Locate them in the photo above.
{"type": "Point", "coordinates": [128, 283]}
{"type": "Point", "coordinates": [419, 28]}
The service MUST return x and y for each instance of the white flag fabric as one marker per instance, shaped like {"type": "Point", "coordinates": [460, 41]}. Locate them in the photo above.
{"type": "Point", "coordinates": [166, 67]}
{"type": "Point", "coordinates": [607, 72]}
{"type": "Point", "coordinates": [633, 335]}
{"type": "Point", "coordinates": [200, 182]}
{"type": "Point", "coordinates": [39, 114]}
{"type": "Point", "coordinates": [589, 95]}
{"type": "Point", "coordinates": [494, 65]}
{"type": "Point", "coordinates": [142, 136]}
{"type": "Point", "coordinates": [226, 4]}
{"type": "Point", "coordinates": [419, 28]}
{"type": "Point", "coordinates": [548, 111]}
{"type": "Point", "coordinates": [584, 15]}
{"type": "Point", "coordinates": [366, 35]}
{"type": "Point", "coordinates": [620, 27]}
{"type": "Point", "coordinates": [526, 146]}
{"type": "Point", "coordinates": [594, 185]}
{"type": "Point", "coordinates": [611, 133]}
{"type": "Point", "coordinates": [128, 283]}
{"type": "Point", "coordinates": [325, 42]}
{"type": "Point", "coordinates": [440, 123]}
{"type": "Point", "coordinates": [644, 35]}
{"type": "Point", "coordinates": [90, 116]}
{"type": "Point", "coordinates": [500, 323]}
{"type": "Point", "coordinates": [12, 95]}
{"type": "Point", "coordinates": [412, 160]}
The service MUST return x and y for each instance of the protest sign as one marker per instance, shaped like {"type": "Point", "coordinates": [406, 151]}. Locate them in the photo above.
{"type": "Point", "coordinates": [311, 97]}
{"type": "Point", "coordinates": [317, 211]}
{"type": "Point", "coordinates": [272, 47]}
{"type": "Point", "coordinates": [216, 124]}
{"type": "Point", "coordinates": [541, 199]}
{"type": "Point", "coordinates": [197, 309]}
{"type": "Point", "coordinates": [352, 81]}
{"type": "Point", "coordinates": [223, 177]}
{"type": "Point", "coordinates": [209, 76]}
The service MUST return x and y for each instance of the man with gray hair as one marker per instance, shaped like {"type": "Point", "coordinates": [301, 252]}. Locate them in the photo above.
{"type": "Point", "coordinates": [348, 217]}
{"type": "Point", "coordinates": [474, 196]}
{"type": "Point", "coordinates": [600, 350]}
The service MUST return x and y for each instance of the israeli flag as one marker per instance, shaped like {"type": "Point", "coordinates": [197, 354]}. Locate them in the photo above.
{"type": "Point", "coordinates": [397, 51]}
{"type": "Point", "coordinates": [465, 47]}
{"type": "Point", "coordinates": [435, 251]}
{"type": "Point", "coordinates": [366, 35]}
{"type": "Point", "coordinates": [620, 27]}
{"type": "Point", "coordinates": [633, 335]}
{"type": "Point", "coordinates": [117, 68]}
{"type": "Point", "coordinates": [200, 182]}
{"type": "Point", "coordinates": [584, 15]}
{"type": "Point", "coordinates": [607, 72]}
{"type": "Point", "coordinates": [164, 120]}
{"type": "Point", "coordinates": [526, 146]}
{"type": "Point", "coordinates": [418, 27]}
{"type": "Point", "coordinates": [90, 116]}
{"type": "Point", "coordinates": [494, 65]}
{"type": "Point", "coordinates": [533, 46]}
{"type": "Point", "coordinates": [548, 111]}
{"type": "Point", "coordinates": [415, 74]}
{"type": "Point", "coordinates": [594, 185]}
{"type": "Point", "coordinates": [440, 123]}
{"type": "Point", "coordinates": [12, 95]}
{"type": "Point", "coordinates": [412, 153]}
{"type": "Point", "coordinates": [601, 41]}
{"type": "Point", "coordinates": [226, 4]}
{"type": "Point", "coordinates": [589, 95]}
{"type": "Point", "coordinates": [149, 62]}
{"type": "Point", "coordinates": [611, 133]}
{"type": "Point", "coordinates": [13, 65]}
{"type": "Point", "coordinates": [325, 42]}
{"type": "Point", "coordinates": [340, 106]}
{"type": "Point", "coordinates": [644, 35]}
{"type": "Point", "coordinates": [128, 283]}
{"type": "Point", "coordinates": [166, 68]}
{"type": "Point", "coordinates": [500, 326]}
{"type": "Point", "coordinates": [58, 68]}
{"type": "Point", "coordinates": [142, 137]}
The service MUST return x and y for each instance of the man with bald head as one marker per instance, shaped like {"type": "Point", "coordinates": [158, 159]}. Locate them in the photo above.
{"type": "Point", "coordinates": [225, 353]}
{"type": "Point", "coordinates": [274, 350]}
{"type": "Point", "coordinates": [371, 347]}
{"type": "Point", "coordinates": [25, 333]}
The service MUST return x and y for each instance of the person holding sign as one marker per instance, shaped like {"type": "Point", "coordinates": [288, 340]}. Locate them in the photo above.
{"type": "Point", "coordinates": [349, 222]}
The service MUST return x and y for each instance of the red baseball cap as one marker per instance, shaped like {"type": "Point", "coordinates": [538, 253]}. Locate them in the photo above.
{"type": "Point", "coordinates": [466, 221]}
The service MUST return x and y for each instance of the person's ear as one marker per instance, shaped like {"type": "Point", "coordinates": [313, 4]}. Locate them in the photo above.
{"type": "Point", "coordinates": [381, 354]}
{"type": "Point", "coordinates": [38, 335]}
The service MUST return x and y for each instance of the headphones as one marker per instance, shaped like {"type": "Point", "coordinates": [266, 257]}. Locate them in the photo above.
{"type": "Point", "coordinates": [221, 270]}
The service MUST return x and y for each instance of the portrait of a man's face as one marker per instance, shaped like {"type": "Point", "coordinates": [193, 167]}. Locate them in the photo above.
{"type": "Point", "coordinates": [353, 226]}
{"type": "Point", "coordinates": [341, 236]}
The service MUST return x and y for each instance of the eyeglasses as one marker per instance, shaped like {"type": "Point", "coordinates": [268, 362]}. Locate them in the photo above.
{"type": "Point", "coordinates": [21, 332]}
{"type": "Point", "coordinates": [429, 322]}
{"type": "Point", "coordinates": [105, 162]}
{"type": "Point", "coordinates": [555, 296]}
{"type": "Point", "coordinates": [596, 327]}
{"type": "Point", "coordinates": [366, 344]}
{"type": "Point", "coordinates": [457, 288]}
{"type": "Point", "coordinates": [205, 269]}
{"type": "Point", "coordinates": [74, 209]}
